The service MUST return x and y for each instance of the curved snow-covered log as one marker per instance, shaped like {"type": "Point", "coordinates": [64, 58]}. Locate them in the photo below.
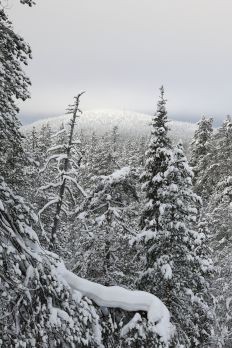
{"type": "Point", "coordinates": [118, 297]}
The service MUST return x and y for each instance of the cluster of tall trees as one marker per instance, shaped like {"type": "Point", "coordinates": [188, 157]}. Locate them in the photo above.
{"type": "Point", "coordinates": [211, 160]}
{"type": "Point", "coordinates": [118, 213]}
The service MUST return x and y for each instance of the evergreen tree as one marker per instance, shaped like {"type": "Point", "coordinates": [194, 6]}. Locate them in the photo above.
{"type": "Point", "coordinates": [201, 138]}
{"type": "Point", "coordinates": [201, 148]}
{"type": "Point", "coordinates": [219, 215]}
{"type": "Point", "coordinates": [176, 258]}
{"type": "Point", "coordinates": [157, 160]}
{"type": "Point", "coordinates": [105, 161]}
{"type": "Point", "coordinates": [13, 85]}
{"type": "Point", "coordinates": [45, 140]}
{"type": "Point", "coordinates": [34, 139]}
{"type": "Point", "coordinates": [216, 164]}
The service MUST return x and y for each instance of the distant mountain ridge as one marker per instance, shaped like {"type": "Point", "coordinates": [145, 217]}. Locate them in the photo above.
{"type": "Point", "coordinates": [129, 123]}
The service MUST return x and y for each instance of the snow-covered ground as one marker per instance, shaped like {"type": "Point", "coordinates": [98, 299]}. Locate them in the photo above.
{"type": "Point", "coordinates": [129, 124]}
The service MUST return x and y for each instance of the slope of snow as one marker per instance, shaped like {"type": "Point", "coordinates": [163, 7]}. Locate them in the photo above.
{"type": "Point", "coordinates": [129, 124]}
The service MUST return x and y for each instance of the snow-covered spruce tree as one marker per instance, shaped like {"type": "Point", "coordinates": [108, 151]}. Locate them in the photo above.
{"type": "Point", "coordinates": [176, 258]}
{"type": "Point", "coordinates": [142, 150]}
{"type": "Point", "coordinates": [223, 150]}
{"type": "Point", "coordinates": [44, 140]}
{"type": "Point", "coordinates": [200, 150]}
{"type": "Point", "coordinates": [157, 161]}
{"type": "Point", "coordinates": [60, 192]}
{"type": "Point", "coordinates": [13, 85]}
{"type": "Point", "coordinates": [34, 141]}
{"type": "Point", "coordinates": [219, 214]}
{"type": "Point", "coordinates": [201, 137]}
{"type": "Point", "coordinates": [36, 309]}
{"type": "Point", "coordinates": [105, 159]}
{"type": "Point", "coordinates": [214, 180]}
{"type": "Point", "coordinates": [217, 162]}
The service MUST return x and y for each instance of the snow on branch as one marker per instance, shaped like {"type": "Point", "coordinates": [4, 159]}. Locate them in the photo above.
{"type": "Point", "coordinates": [53, 201]}
{"type": "Point", "coordinates": [67, 177]}
{"type": "Point", "coordinates": [48, 186]}
{"type": "Point", "coordinates": [56, 147]}
{"type": "Point", "coordinates": [56, 157]}
{"type": "Point", "coordinates": [118, 297]}
{"type": "Point", "coordinates": [58, 133]}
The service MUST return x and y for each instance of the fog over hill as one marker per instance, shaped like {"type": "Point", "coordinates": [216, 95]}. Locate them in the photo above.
{"type": "Point", "coordinates": [130, 124]}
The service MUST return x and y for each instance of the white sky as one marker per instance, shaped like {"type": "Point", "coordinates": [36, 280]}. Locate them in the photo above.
{"type": "Point", "coordinates": [121, 51]}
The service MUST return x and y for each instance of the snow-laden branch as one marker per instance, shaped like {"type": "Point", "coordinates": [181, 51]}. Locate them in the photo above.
{"type": "Point", "coordinates": [58, 133]}
{"type": "Point", "coordinates": [56, 147]}
{"type": "Point", "coordinates": [57, 157]}
{"type": "Point", "coordinates": [51, 202]}
{"type": "Point", "coordinates": [67, 177]}
{"type": "Point", "coordinates": [48, 186]}
{"type": "Point", "coordinates": [118, 297]}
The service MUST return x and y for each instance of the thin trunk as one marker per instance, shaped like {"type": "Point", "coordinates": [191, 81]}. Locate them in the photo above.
{"type": "Point", "coordinates": [56, 219]}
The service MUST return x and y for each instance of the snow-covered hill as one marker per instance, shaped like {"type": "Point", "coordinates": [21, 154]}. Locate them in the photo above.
{"type": "Point", "coordinates": [129, 124]}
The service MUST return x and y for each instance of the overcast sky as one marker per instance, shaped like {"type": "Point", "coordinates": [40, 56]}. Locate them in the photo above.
{"type": "Point", "coordinates": [121, 51]}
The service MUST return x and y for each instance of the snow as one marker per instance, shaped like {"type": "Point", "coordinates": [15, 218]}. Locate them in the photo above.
{"type": "Point", "coordinates": [1, 206]}
{"type": "Point", "coordinates": [132, 323]}
{"type": "Point", "coordinates": [228, 301]}
{"type": "Point", "coordinates": [129, 124]}
{"type": "Point", "coordinates": [146, 234]}
{"type": "Point", "coordinates": [68, 177]}
{"type": "Point", "coordinates": [173, 188]}
{"type": "Point", "coordinates": [117, 176]}
{"type": "Point", "coordinates": [166, 271]}
{"type": "Point", "coordinates": [59, 132]}
{"type": "Point", "coordinates": [56, 147]}
{"type": "Point", "coordinates": [118, 297]}
{"type": "Point", "coordinates": [53, 201]}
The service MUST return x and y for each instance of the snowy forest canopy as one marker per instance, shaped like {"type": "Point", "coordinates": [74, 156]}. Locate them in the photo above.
{"type": "Point", "coordinates": [108, 240]}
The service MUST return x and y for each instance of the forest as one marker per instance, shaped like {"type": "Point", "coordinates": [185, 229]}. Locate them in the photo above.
{"type": "Point", "coordinates": [108, 240]}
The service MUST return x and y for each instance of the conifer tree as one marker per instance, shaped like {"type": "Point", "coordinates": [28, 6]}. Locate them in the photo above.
{"type": "Point", "coordinates": [201, 150]}
{"type": "Point", "coordinates": [45, 139]}
{"type": "Point", "coordinates": [105, 160]}
{"type": "Point", "coordinates": [201, 138]}
{"type": "Point", "coordinates": [13, 85]}
{"type": "Point", "coordinates": [157, 160]}
{"type": "Point", "coordinates": [176, 258]}
{"type": "Point", "coordinates": [219, 216]}
{"type": "Point", "coordinates": [34, 139]}
{"type": "Point", "coordinates": [216, 164]}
